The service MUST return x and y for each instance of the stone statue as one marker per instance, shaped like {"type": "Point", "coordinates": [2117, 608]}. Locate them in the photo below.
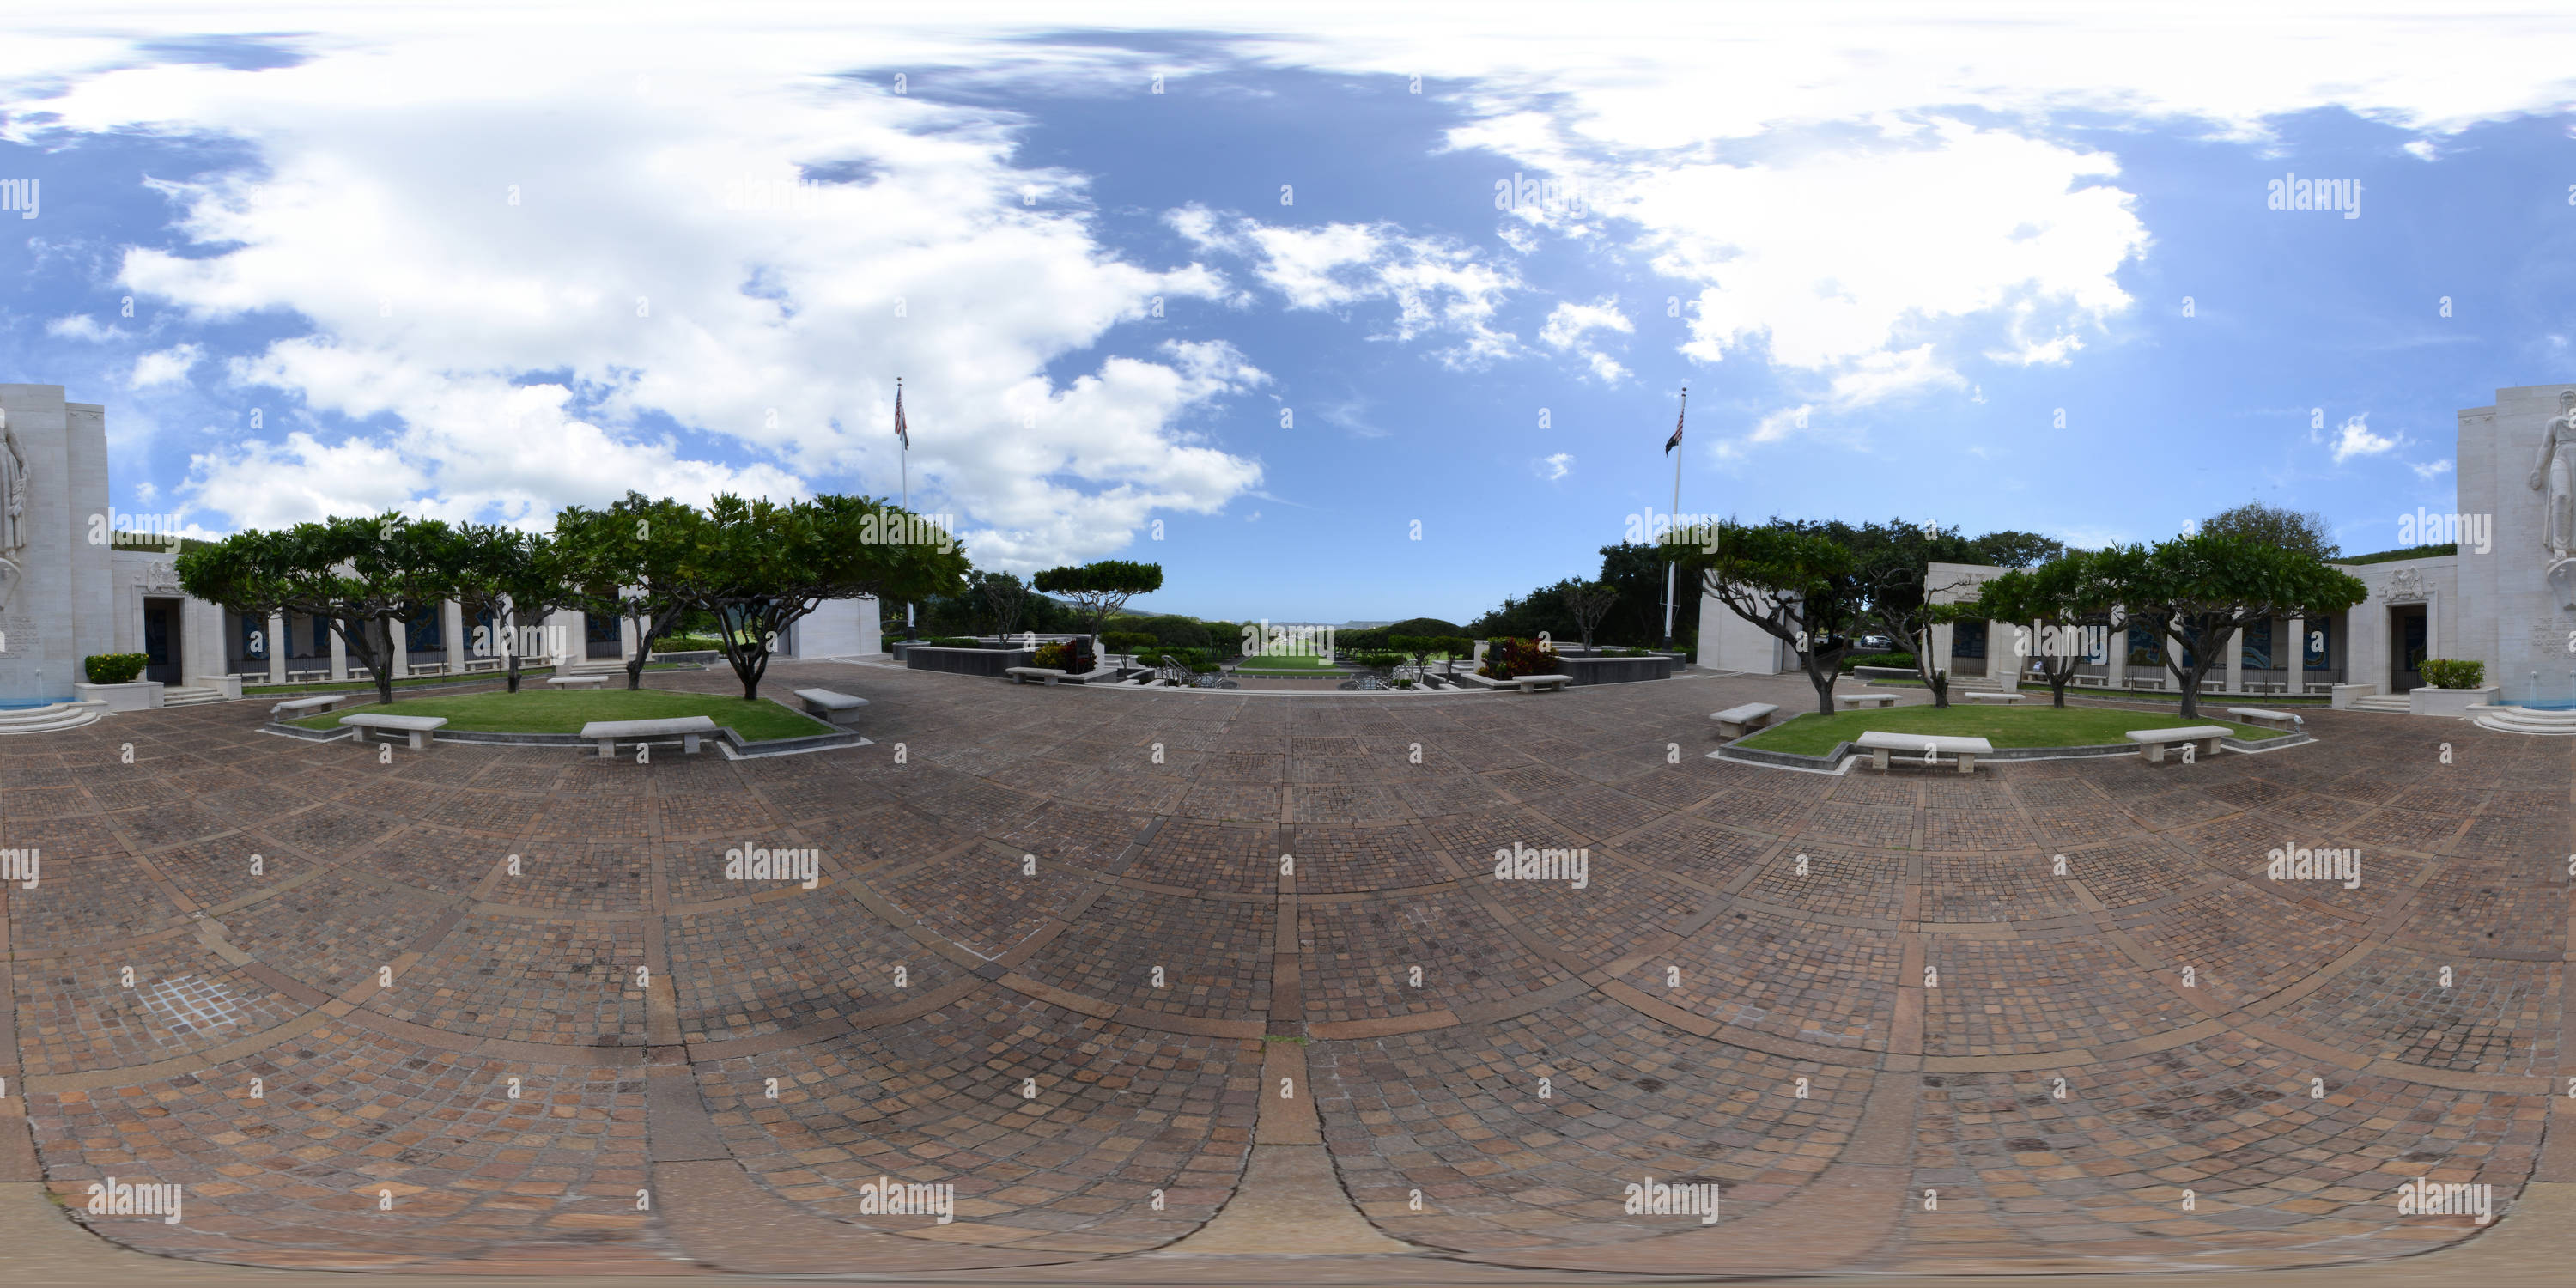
{"type": "Point", "coordinates": [2554, 477]}
{"type": "Point", "coordinates": [13, 486]}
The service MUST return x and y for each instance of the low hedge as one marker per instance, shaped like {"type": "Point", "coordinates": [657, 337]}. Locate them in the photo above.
{"type": "Point", "coordinates": [2443, 673]}
{"type": "Point", "coordinates": [114, 668]}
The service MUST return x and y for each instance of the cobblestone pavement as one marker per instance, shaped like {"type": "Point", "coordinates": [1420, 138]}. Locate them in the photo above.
{"type": "Point", "coordinates": [1115, 986]}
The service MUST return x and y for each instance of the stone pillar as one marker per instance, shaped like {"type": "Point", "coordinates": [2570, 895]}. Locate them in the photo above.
{"type": "Point", "coordinates": [627, 631]}
{"type": "Point", "coordinates": [451, 621]}
{"type": "Point", "coordinates": [339, 654]}
{"type": "Point", "coordinates": [2298, 666]}
{"type": "Point", "coordinates": [2002, 663]}
{"type": "Point", "coordinates": [398, 635]}
{"type": "Point", "coordinates": [277, 646]}
{"type": "Point", "coordinates": [1940, 655]}
{"type": "Point", "coordinates": [2236, 661]}
{"type": "Point", "coordinates": [2115, 653]}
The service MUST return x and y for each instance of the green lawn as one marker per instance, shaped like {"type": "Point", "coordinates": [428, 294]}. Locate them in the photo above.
{"type": "Point", "coordinates": [2074, 691]}
{"type": "Point", "coordinates": [533, 711]}
{"type": "Point", "coordinates": [1285, 662]}
{"type": "Point", "coordinates": [526, 673]}
{"type": "Point", "coordinates": [2043, 726]}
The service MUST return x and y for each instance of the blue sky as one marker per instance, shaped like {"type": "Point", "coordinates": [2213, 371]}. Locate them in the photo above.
{"type": "Point", "coordinates": [482, 267]}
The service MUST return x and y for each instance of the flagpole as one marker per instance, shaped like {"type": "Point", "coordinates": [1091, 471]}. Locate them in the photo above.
{"type": "Point", "coordinates": [904, 454]}
{"type": "Point", "coordinates": [1671, 566]}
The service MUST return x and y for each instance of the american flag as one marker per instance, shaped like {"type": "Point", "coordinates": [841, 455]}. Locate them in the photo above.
{"type": "Point", "coordinates": [1669, 443]}
{"type": "Point", "coordinates": [899, 430]}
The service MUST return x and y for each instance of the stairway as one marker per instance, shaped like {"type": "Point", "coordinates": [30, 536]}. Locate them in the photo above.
{"type": "Point", "coordinates": [46, 719]}
{"type": "Point", "coordinates": [2525, 720]}
{"type": "Point", "coordinates": [2388, 703]}
{"type": "Point", "coordinates": [191, 695]}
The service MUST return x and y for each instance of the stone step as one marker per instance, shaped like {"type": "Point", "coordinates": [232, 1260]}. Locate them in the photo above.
{"type": "Point", "coordinates": [191, 696]}
{"type": "Point", "coordinates": [2382, 702]}
{"type": "Point", "coordinates": [46, 719]}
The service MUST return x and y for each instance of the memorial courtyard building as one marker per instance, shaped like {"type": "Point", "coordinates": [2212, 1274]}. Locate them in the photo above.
{"type": "Point", "coordinates": [2506, 596]}
{"type": "Point", "coordinates": [69, 591]}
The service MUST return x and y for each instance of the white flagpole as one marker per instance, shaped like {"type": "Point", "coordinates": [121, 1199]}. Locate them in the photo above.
{"type": "Point", "coordinates": [1671, 566]}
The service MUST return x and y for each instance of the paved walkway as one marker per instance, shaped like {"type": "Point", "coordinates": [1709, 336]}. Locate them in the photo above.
{"type": "Point", "coordinates": [1217, 987]}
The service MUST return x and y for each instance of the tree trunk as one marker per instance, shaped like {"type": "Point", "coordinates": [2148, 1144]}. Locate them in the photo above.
{"type": "Point", "coordinates": [383, 668]}
{"type": "Point", "coordinates": [635, 664]}
{"type": "Point", "coordinates": [1823, 678]}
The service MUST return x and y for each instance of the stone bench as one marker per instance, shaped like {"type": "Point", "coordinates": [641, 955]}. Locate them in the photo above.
{"type": "Point", "coordinates": [830, 705]}
{"type": "Point", "coordinates": [2267, 718]}
{"type": "Point", "coordinates": [314, 705]}
{"type": "Point", "coordinates": [1735, 722]}
{"type": "Point", "coordinates": [1033, 674]}
{"type": "Point", "coordinates": [609, 733]}
{"type": "Point", "coordinates": [578, 681]}
{"type": "Point", "coordinates": [1542, 683]}
{"type": "Point", "coordinates": [1930, 745]}
{"type": "Point", "coordinates": [1855, 701]}
{"type": "Point", "coordinates": [417, 727]}
{"type": "Point", "coordinates": [1990, 695]}
{"type": "Point", "coordinates": [2156, 740]}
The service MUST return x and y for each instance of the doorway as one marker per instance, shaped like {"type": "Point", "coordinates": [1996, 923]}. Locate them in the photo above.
{"type": "Point", "coordinates": [2406, 644]}
{"type": "Point", "coordinates": [161, 641]}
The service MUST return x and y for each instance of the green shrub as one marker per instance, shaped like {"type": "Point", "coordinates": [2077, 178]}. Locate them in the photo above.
{"type": "Point", "coordinates": [1636, 652]}
{"type": "Point", "coordinates": [954, 641]}
{"type": "Point", "coordinates": [1904, 661]}
{"type": "Point", "coordinates": [688, 644]}
{"type": "Point", "coordinates": [1507, 659]}
{"type": "Point", "coordinates": [113, 668]}
{"type": "Point", "coordinates": [1072, 656]}
{"type": "Point", "coordinates": [1128, 641]}
{"type": "Point", "coordinates": [2443, 673]}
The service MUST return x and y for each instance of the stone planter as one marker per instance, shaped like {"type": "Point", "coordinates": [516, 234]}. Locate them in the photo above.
{"type": "Point", "coordinates": [966, 661]}
{"type": "Point", "coordinates": [2345, 693]}
{"type": "Point", "coordinates": [228, 685]}
{"type": "Point", "coordinates": [1588, 670]}
{"type": "Point", "coordinates": [141, 695]}
{"type": "Point", "coordinates": [2450, 702]}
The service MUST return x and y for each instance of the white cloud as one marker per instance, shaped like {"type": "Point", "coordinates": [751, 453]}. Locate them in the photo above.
{"type": "Point", "coordinates": [1568, 324]}
{"type": "Point", "coordinates": [2431, 470]}
{"type": "Point", "coordinates": [2355, 439]}
{"type": "Point", "coordinates": [1435, 284]}
{"type": "Point", "coordinates": [81, 326]}
{"type": "Point", "coordinates": [633, 320]}
{"type": "Point", "coordinates": [168, 366]}
{"type": "Point", "coordinates": [1552, 468]}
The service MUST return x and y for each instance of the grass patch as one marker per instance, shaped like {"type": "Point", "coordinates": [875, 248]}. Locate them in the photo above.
{"type": "Point", "coordinates": [1288, 663]}
{"type": "Point", "coordinates": [1816, 735]}
{"type": "Point", "coordinates": [547, 711]}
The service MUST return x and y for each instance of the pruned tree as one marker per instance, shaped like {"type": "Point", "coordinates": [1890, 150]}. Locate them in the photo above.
{"type": "Point", "coordinates": [1895, 564]}
{"type": "Point", "coordinates": [760, 567]}
{"type": "Point", "coordinates": [1005, 594]}
{"type": "Point", "coordinates": [1589, 602]}
{"type": "Point", "coordinates": [2058, 610]}
{"type": "Point", "coordinates": [629, 561]}
{"type": "Point", "coordinates": [1797, 586]}
{"type": "Point", "coordinates": [2308, 532]}
{"type": "Point", "coordinates": [364, 577]}
{"type": "Point", "coordinates": [1099, 589]}
{"type": "Point", "coordinates": [2204, 589]}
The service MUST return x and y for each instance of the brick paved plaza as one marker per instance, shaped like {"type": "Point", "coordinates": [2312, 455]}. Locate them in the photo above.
{"type": "Point", "coordinates": [1963, 1020]}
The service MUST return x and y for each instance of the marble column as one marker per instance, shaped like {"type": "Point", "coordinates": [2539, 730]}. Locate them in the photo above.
{"type": "Point", "coordinates": [2236, 661]}
{"type": "Point", "coordinates": [2003, 665]}
{"type": "Point", "coordinates": [451, 620]}
{"type": "Point", "coordinates": [339, 655]}
{"type": "Point", "coordinates": [2298, 656]}
{"type": "Point", "coordinates": [398, 634]}
{"type": "Point", "coordinates": [277, 646]}
{"type": "Point", "coordinates": [1940, 658]}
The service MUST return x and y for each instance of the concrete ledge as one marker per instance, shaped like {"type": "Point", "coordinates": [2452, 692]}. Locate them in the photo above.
{"type": "Point", "coordinates": [1832, 762]}
{"type": "Point", "coordinates": [141, 695]}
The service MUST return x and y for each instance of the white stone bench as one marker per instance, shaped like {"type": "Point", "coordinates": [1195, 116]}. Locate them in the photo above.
{"type": "Point", "coordinates": [417, 727]}
{"type": "Point", "coordinates": [1542, 683]}
{"type": "Point", "coordinates": [1990, 695]}
{"type": "Point", "coordinates": [2267, 718]}
{"type": "Point", "coordinates": [1735, 722]}
{"type": "Point", "coordinates": [578, 681]}
{"type": "Point", "coordinates": [609, 733]}
{"type": "Point", "coordinates": [830, 705]}
{"type": "Point", "coordinates": [1033, 674]}
{"type": "Point", "coordinates": [1855, 701]}
{"type": "Point", "coordinates": [1930, 746]}
{"type": "Point", "coordinates": [2156, 740]}
{"type": "Point", "coordinates": [316, 704]}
